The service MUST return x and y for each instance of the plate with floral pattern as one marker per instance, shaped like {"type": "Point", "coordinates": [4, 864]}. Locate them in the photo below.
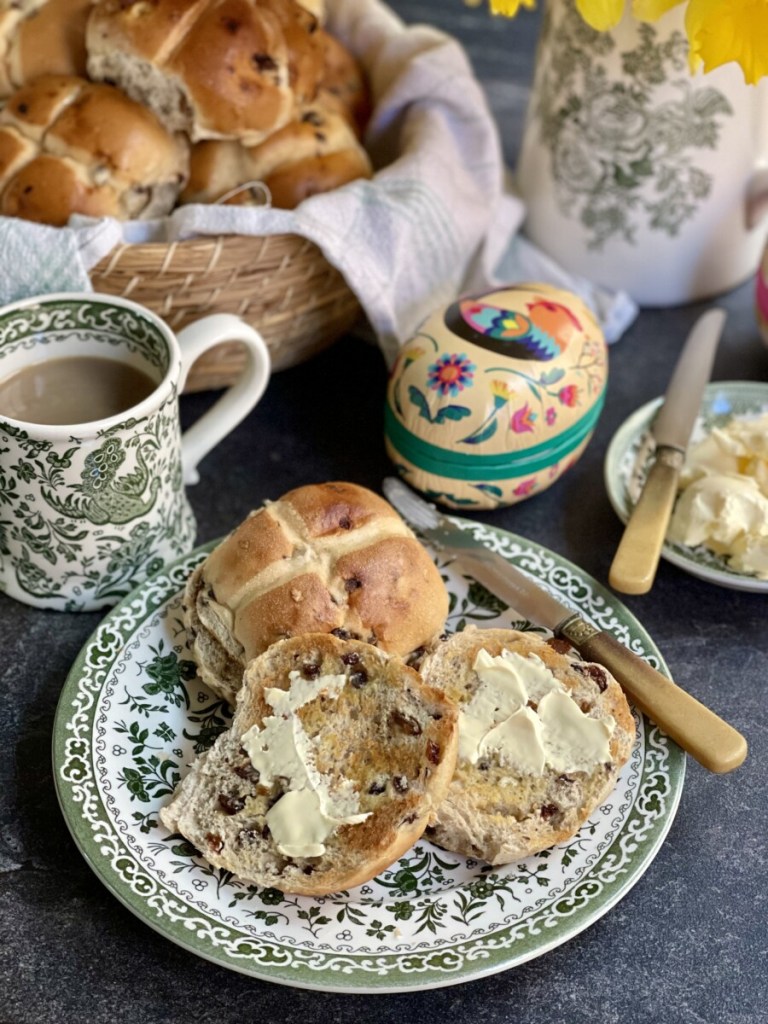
{"type": "Point", "coordinates": [133, 714]}
{"type": "Point", "coordinates": [628, 458]}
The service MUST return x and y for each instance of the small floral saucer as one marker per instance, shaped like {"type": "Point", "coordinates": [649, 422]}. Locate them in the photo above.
{"type": "Point", "coordinates": [628, 455]}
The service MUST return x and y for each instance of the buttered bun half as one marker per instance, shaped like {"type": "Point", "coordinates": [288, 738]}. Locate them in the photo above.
{"type": "Point", "coordinates": [542, 738]}
{"type": "Point", "coordinates": [336, 758]}
{"type": "Point", "coordinates": [324, 558]}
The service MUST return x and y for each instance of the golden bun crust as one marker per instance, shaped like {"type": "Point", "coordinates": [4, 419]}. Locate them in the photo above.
{"type": "Point", "coordinates": [325, 557]}
{"type": "Point", "coordinates": [71, 146]}
{"type": "Point", "coordinates": [41, 37]}
{"type": "Point", "coordinates": [216, 69]}
{"type": "Point", "coordinates": [343, 86]}
{"type": "Point", "coordinates": [494, 813]}
{"type": "Point", "coordinates": [387, 733]}
{"type": "Point", "coordinates": [316, 153]}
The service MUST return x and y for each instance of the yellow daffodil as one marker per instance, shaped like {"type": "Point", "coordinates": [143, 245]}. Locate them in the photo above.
{"type": "Point", "coordinates": [601, 14]}
{"type": "Point", "coordinates": [720, 31]}
{"type": "Point", "coordinates": [509, 8]}
{"type": "Point", "coordinates": [650, 10]}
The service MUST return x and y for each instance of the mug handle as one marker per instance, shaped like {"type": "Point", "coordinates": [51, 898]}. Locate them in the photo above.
{"type": "Point", "coordinates": [237, 401]}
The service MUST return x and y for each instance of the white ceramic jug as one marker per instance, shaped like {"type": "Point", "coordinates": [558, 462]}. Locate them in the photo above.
{"type": "Point", "coordinates": [637, 174]}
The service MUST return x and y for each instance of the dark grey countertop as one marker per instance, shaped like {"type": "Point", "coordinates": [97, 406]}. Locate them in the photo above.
{"type": "Point", "coordinates": [686, 945]}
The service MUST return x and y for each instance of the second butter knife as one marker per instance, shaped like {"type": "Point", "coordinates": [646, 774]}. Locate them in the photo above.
{"type": "Point", "coordinates": [706, 737]}
{"type": "Point", "coordinates": [637, 557]}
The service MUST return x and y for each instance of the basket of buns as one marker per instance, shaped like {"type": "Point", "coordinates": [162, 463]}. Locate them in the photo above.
{"type": "Point", "coordinates": [131, 109]}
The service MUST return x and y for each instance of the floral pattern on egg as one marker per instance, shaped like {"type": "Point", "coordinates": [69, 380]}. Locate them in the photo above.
{"type": "Point", "coordinates": [496, 396]}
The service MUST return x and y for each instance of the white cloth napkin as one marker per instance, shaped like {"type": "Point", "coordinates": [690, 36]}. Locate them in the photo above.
{"type": "Point", "coordinates": [435, 222]}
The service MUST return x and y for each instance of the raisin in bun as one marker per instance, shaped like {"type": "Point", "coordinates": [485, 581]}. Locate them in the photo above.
{"type": "Point", "coordinates": [71, 146]}
{"type": "Point", "coordinates": [316, 153]}
{"type": "Point", "coordinates": [215, 69]}
{"type": "Point", "coordinates": [41, 37]}
{"type": "Point", "coordinates": [335, 760]}
{"type": "Point", "coordinates": [324, 557]}
{"type": "Point", "coordinates": [562, 729]}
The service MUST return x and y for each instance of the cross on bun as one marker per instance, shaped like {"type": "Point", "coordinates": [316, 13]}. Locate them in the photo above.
{"type": "Point", "coordinates": [72, 146]}
{"type": "Point", "coordinates": [501, 805]}
{"type": "Point", "coordinates": [215, 69]}
{"type": "Point", "coordinates": [41, 37]}
{"type": "Point", "coordinates": [336, 758]}
{"type": "Point", "coordinates": [323, 558]}
{"type": "Point", "coordinates": [316, 153]}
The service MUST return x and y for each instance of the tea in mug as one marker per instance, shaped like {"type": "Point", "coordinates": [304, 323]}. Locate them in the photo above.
{"type": "Point", "coordinates": [73, 390]}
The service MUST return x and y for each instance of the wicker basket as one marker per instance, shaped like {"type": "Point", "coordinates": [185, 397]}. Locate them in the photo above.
{"type": "Point", "coordinates": [280, 284]}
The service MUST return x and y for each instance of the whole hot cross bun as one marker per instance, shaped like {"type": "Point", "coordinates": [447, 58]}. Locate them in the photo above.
{"type": "Point", "coordinates": [325, 558]}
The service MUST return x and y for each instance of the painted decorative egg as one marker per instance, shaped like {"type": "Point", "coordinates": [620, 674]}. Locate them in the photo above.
{"type": "Point", "coordinates": [495, 397]}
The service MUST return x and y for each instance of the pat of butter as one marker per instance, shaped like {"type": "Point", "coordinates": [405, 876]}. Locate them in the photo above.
{"type": "Point", "coordinates": [519, 742]}
{"type": "Point", "coordinates": [501, 692]}
{"type": "Point", "coordinates": [554, 732]}
{"type": "Point", "coordinates": [573, 742]}
{"type": "Point", "coordinates": [723, 503]}
{"type": "Point", "coordinates": [300, 826]}
{"type": "Point", "coordinates": [717, 510]}
{"type": "Point", "coordinates": [309, 811]}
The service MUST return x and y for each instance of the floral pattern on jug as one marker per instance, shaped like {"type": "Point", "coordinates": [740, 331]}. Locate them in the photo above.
{"type": "Point", "coordinates": [620, 158]}
{"type": "Point", "coordinates": [634, 170]}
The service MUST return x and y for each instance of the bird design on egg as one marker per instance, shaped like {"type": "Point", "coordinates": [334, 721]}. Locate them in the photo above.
{"type": "Point", "coordinates": [542, 332]}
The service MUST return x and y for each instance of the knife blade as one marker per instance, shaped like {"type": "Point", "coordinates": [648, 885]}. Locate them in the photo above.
{"type": "Point", "coordinates": [708, 738]}
{"type": "Point", "coordinates": [634, 565]}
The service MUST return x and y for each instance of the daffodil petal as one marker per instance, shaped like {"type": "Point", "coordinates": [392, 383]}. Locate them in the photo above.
{"type": "Point", "coordinates": [652, 10]}
{"type": "Point", "coordinates": [601, 14]}
{"type": "Point", "coordinates": [509, 8]}
{"type": "Point", "coordinates": [721, 31]}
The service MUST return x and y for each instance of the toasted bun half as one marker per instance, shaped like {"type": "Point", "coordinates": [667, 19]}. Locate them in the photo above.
{"type": "Point", "coordinates": [494, 810]}
{"type": "Point", "coordinates": [369, 728]}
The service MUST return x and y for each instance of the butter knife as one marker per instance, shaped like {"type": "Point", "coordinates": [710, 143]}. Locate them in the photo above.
{"type": "Point", "coordinates": [706, 737]}
{"type": "Point", "coordinates": [634, 565]}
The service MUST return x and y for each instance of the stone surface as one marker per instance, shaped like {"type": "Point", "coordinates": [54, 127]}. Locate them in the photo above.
{"type": "Point", "coordinates": [686, 945]}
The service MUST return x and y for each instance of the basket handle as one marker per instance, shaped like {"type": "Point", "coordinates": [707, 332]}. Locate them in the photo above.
{"type": "Point", "coordinates": [237, 401]}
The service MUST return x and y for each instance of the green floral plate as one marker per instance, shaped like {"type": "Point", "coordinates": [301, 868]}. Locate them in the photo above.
{"type": "Point", "coordinates": [627, 461]}
{"type": "Point", "coordinates": [133, 714]}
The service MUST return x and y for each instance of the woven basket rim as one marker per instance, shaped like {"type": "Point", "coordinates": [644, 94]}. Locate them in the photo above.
{"type": "Point", "coordinates": [210, 241]}
{"type": "Point", "coordinates": [281, 284]}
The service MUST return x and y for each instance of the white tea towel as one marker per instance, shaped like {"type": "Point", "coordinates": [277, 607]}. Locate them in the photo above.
{"type": "Point", "coordinates": [435, 222]}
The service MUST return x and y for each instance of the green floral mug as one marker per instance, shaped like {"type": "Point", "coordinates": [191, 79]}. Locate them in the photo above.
{"type": "Point", "coordinates": [89, 510]}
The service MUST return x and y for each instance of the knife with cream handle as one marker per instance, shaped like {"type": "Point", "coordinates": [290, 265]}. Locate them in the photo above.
{"type": "Point", "coordinates": [637, 557]}
{"type": "Point", "coordinates": [706, 737]}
